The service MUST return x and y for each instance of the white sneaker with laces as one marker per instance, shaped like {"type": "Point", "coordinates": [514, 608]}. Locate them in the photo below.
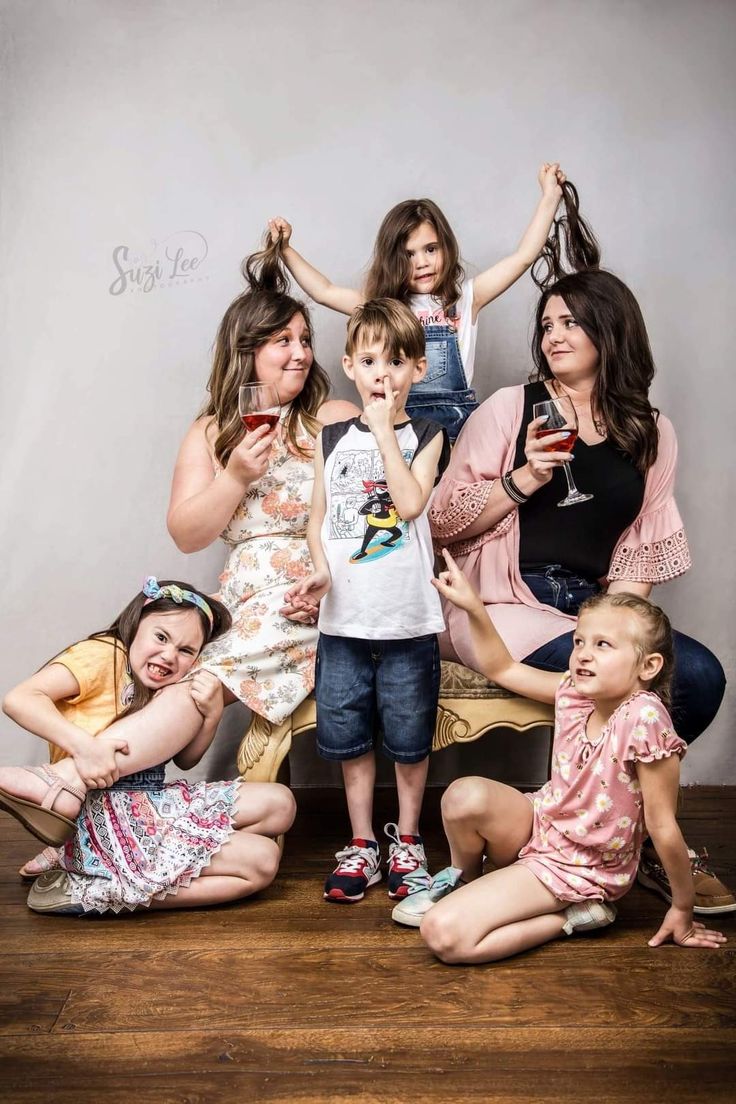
{"type": "Point", "coordinates": [406, 858]}
{"type": "Point", "coordinates": [357, 868]}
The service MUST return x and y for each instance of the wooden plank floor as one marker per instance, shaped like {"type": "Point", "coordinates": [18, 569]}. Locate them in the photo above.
{"type": "Point", "coordinates": [287, 998]}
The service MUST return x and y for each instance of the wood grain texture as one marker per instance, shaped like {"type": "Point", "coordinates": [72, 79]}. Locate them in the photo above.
{"type": "Point", "coordinates": [287, 998]}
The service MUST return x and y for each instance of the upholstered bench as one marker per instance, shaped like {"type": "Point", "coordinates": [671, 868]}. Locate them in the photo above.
{"type": "Point", "coordinates": [469, 706]}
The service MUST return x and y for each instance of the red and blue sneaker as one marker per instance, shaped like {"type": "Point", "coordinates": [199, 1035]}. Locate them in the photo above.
{"type": "Point", "coordinates": [357, 868]}
{"type": "Point", "coordinates": [405, 857]}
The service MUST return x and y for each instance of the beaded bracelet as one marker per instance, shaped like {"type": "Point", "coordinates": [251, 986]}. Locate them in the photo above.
{"type": "Point", "coordinates": [515, 494]}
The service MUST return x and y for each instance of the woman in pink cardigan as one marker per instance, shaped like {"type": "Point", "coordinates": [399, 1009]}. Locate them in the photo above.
{"type": "Point", "coordinates": [533, 563]}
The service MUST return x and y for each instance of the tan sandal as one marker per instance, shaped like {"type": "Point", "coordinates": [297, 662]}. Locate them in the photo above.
{"type": "Point", "coordinates": [46, 860]}
{"type": "Point", "coordinates": [40, 819]}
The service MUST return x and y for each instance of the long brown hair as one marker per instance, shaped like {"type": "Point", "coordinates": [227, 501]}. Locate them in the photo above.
{"type": "Point", "coordinates": [121, 633]}
{"type": "Point", "coordinates": [252, 318]}
{"type": "Point", "coordinates": [656, 634]}
{"type": "Point", "coordinates": [388, 275]}
{"type": "Point", "coordinates": [608, 313]}
{"type": "Point", "coordinates": [570, 235]}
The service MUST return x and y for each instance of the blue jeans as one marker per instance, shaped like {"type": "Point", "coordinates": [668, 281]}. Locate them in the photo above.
{"type": "Point", "coordinates": [698, 682]}
{"type": "Point", "coordinates": [443, 395]}
{"type": "Point", "coordinates": [359, 682]}
{"type": "Point", "coordinates": [553, 585]}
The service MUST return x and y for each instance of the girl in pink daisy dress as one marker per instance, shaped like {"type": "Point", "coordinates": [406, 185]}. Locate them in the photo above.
{"type": "Point", "coordinates": [558, 858]}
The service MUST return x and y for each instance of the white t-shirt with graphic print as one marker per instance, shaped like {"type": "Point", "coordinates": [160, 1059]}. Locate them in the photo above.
{"type": "Point", "coordinates": [430, 312]}
{"type": "Point", "coordinates": [381, 565]}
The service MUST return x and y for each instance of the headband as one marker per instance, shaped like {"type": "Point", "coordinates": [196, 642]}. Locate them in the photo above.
{"type": "Point", "coordinates": [153, 591]}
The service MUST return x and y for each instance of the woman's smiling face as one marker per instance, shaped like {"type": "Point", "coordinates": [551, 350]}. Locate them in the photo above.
{"type": "Point", "coordinates": [285, 358]}
{"type": "Point", "coordinates": [570, 354]}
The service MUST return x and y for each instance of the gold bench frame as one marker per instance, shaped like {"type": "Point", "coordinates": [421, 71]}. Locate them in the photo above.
{"type": "Point", "coordinates": [469, 706]}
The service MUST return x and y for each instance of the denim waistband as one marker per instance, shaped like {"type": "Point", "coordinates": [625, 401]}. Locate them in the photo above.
{"type": "Point", "coordinates": [149, 780]}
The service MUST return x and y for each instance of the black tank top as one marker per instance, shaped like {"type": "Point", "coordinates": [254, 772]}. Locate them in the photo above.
{"type": "Point", "coordinates": [580, 538]}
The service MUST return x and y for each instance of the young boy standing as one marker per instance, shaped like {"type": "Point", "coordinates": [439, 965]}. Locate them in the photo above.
{"type": "Point", "coordinates": [368, 533]}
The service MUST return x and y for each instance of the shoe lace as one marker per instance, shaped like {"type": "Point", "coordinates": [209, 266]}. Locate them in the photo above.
{"type": "Point", "coordinates": [699, 862]}
{"type": "Point", "coordinates": [353, 859]}
{"type": "Point", "coordinates": [402, 856]}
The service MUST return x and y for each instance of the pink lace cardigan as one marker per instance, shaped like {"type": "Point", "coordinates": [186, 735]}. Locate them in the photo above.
{"type": "Point", "coordinates": [653, 549]}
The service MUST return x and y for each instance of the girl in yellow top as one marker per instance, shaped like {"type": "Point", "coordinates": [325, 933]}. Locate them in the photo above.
{"type": "Point", "coordinates": [136, 840]}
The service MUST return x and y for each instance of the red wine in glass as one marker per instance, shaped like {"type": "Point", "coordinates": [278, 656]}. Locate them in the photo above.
{"type": "Point", "coordinates": [258, 404]}
{"type": "Point", "coordinates": [561, 418]}
{"type": "Point", "coordinates": [254, 421]}
{"type": "Point", "coordinates": [566, 444]}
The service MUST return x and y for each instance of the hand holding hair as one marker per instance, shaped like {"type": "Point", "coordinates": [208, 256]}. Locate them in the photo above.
{"type": "Point", "coordinates": [280, 230]}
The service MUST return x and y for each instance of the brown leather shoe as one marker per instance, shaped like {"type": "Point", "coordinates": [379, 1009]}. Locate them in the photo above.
{"type": "Point", "coordinates": [711, 895]}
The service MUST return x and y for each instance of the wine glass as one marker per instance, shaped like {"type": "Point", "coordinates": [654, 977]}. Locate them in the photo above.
{"type": "Point", "coordinates": [561, 417]}
{"type": "Point", "coordinates": [259, 405]}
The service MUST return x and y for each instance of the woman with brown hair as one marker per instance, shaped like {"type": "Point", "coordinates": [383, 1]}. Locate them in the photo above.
{"type": "Point", "coordinates": [497, 507]}
{"type": "Point", "coordinates": [254, 490]}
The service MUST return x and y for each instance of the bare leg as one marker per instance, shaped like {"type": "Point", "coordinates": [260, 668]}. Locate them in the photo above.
{"type": "Point", "coordinates": [506, 911]}
{"type": "Point", "coordinates": [154, 734]}
{"type": "Point", "coordinates": [480, 817]}
{"type": "Point", "coordinates": [245, 864]}
{"type": "Point", "coordinates": [359, 776]}
{"type": "Point", "coordinates": [411, 778]}
{"type": "Point", "coordinates": [500, 914]}
{"type": "Point", "coordinates": [264, 808]}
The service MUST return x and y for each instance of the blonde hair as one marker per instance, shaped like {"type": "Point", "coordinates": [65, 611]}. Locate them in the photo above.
{"type": "Point", "coordinates": [389, 322]}
{"type": "Point", "coordinates": [656, 634]}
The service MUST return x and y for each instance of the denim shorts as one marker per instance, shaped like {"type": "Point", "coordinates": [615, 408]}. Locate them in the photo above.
{"type": "Point", "coordinates": [360, 683]}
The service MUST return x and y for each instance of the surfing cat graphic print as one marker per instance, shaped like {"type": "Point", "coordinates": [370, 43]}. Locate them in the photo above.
{"type": "Point", "coordinates": [381, 519]}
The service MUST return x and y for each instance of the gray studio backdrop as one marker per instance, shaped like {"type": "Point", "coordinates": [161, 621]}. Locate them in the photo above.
{"type": "Point", "coordinates": [146, 143]}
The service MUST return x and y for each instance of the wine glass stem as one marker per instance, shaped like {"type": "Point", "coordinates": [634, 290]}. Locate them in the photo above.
{"type": "Point", "coordinates": [572, 489]}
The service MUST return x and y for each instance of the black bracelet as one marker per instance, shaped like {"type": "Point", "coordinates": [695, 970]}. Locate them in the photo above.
{"type": "Point", "coordinates": [515, 494]}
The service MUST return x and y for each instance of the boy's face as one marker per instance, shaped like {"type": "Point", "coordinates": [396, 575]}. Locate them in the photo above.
{"type": "Point", "coordinates": [371, 364]}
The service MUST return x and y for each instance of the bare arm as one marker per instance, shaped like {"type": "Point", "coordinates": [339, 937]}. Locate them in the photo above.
{"type": "Point", "coordinates": [528, 478]}
{"type": "Point", "coordinates": [494, 659]}
{"type": "Point", "coordinates": [201, 505]}
{"type": "Point", "coordinates": [660, 782]}
{"type": "Point", "coordinates": [208, 696]}
{"type": "Point", "coordinates": [309, 279]}
{"type": "Point", "coordinates": [32, 705]}
{"type": "Point", "coordinates": [410, 487]}
{"type": "Point", "coordinates": [497, 279]}
{"type": "Point", "coordinates": [336, 410]}
{"type": "Point", "coordinates": [306, 595]}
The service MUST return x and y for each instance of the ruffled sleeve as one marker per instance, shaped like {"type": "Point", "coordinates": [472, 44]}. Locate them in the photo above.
{"type": "Point", "coordinates": [647, 733]}
{"type": "Point", "coordinates": [655, 549]}
{"type": "Point", "coordinates": [478, 459]}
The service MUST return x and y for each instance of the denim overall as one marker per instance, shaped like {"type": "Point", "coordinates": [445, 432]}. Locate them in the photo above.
{"type": "Point", "coordinates": [443, 395]}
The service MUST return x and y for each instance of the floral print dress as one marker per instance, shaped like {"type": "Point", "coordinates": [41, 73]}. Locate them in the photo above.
{"type": "Point", "coordinates": [589, 817]}
{"type": "Point", "coordinates": [266, 660]}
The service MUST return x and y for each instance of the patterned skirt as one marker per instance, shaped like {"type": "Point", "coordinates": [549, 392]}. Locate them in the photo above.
{"type": "Point", "coordinates": [133, 846]}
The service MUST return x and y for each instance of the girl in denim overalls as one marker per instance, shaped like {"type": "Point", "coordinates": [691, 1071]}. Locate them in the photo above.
{"type": "Point", "coordinates": [416, 260]}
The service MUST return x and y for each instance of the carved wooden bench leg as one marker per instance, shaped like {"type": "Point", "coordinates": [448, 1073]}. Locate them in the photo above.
{"type": "Point", "coordinates": [263, 749]}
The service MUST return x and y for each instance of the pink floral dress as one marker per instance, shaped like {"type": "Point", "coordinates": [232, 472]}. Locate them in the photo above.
{"type": "Point", "coordinates": [589, 819]}
{"type": "Point", "coordinates": [266, 660]}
